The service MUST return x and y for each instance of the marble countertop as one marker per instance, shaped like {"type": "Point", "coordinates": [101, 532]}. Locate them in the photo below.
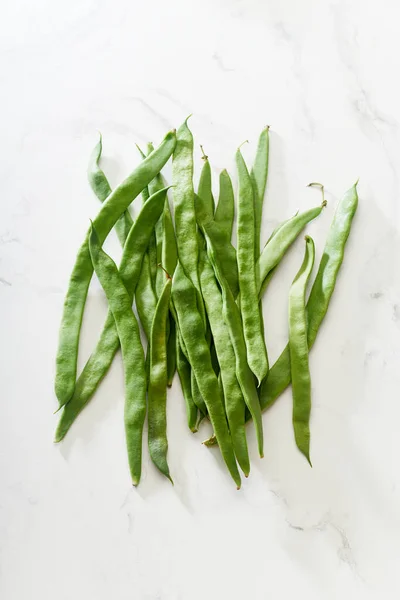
{"type": "Point", "coordinates": [324, 75]}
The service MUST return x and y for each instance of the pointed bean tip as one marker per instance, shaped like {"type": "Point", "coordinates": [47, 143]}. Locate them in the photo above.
{"type": "Point", "coordinates": [238, 487]}
{"type": "Point", "coordinates": [357, 182]}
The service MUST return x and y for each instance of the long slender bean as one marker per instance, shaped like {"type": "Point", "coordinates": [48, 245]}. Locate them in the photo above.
{"type": "Point", "coordinates": [320, 295]}
{"type": "Point", "coordinates": [183, 368]}
{"type": "Point", "coordinates": [185, 219]}
{"type": "Point", "coordinates": [157, 391]}
{"type": "Point", "coordinates": [108, 344]}
{"type": "Point", "coordinates": [100, 186]}
{"type": "Point", "coordinates": [252, 323]}
{"type": "Point", "coordinates": [231, 316]}
{"type": "Point", "coordinates": [225, 211]}
{"type": "Point", "coordinates": [192, 329]}
{"type": "Point", "coordinates": [298, 346]}
{"type": "Point", "coordinates": [132, 352]}
{"type": "Point", "coordinates": [259, 175]}
{"type": "Point", "coordinates": [116, 204]}
{"type": "Point", "coordinates": [234, 402]}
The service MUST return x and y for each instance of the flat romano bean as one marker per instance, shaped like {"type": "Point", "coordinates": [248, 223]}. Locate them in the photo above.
{"type": "Point", "coordinates": [157, 390]}
{"type": "Point", "coordinates": [183, 368]}
{"type": "Point", "coordinates": [225, 211]}
{"type": "Point", "coordinates": [231, 316]}
{"type": "Point", "coordinates": [100, 186]}
{"type": "Point", "coordinates": [278, 245]}
{"type": "Point", "coordinates": [108, 344]}
{"type": "Point", "coordinates": [298, 346]}
{"type": "Point", "coordinates": [185, 219]}
{"type": "Point", "coordinates": [251, 316]}
{"type": "Point", "coordinates": [120, 304]}
{"type": "Point", "coordinates": [192, 329]}
{"type": "Point", "coordinates": [259, 175]}
{"type": "Point", "coordinates": [151, 265]}
{"type": "Point", "coordinates": [171, 352]}
{"type": "Point", "coordinates": [226, 252]}
{"type": "Point", "coordinates": [320, 295]}
{"type": "Point", "coordinates": [169, 259]}
{"type": "Point", "coordinates": [112, 209]}
{"type": "Point", "coordinates": [205, 186]}
{"type": "Point", "coordinates": [234, 401]}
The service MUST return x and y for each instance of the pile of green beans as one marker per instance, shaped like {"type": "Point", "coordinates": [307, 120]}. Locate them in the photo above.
{"type": "Point", "coordinates": [198, 301]}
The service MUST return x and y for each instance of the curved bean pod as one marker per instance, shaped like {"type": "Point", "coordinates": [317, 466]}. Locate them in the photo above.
{"type": "Point", "coordinates": [279, 243]}
{"type": "Point", "coordinates": [251, 316]}
{"type": "Point", "coordinates": [108, 344]}
{"type": "Point", "coordinates": [100, 186]}
{"type": "Point", "coordinates": [157, 390]}
{"type": "Point", "coordinates": [115, 205]}
{"type": "Point", "coordinates": [120, 305]}
{"type": "Point", "coordinates": [232, 318]}
{"type": "Point", "coordinates": [192, 329]}
{"type": "Point", "coordinates": [234, 402]}
{"type": "Point", "coordinates": [298, 346]}
{"type": "Point", "coordinates": [320, 295]}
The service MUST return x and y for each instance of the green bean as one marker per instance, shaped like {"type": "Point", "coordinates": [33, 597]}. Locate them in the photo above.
{"type": "Point", "coordinates": [279, 226]}
{"type": "Point", "coordinates": [145, 296]}
{"type": "Point", "coordinates": [171, 352]}
{"type": "Point", "coordinates": [197, 397]}
{"type": "Point", "coordinates": [169, 259]}
{"type": "Point", "coordinates": [259, 175]}
{"type": "Point", "coordinates": [320, 295]}
{"type": "Point", "coordinates": [108, 344]}
{"type": "Point", "coordinates": [252, 323]}
{"type": "Point", "coordinates": [226, 252]}
{"type": "Point", "coordinates": [278, 245]}
{"type": "Point", "coordinates": [100, 186]}
{"type": "Point", "coordinates": [132, 352]}
{"type": "Point", "coordinates": [185, 219]}
{"type": "Point", "coordinates": [157, 393]}
{"type": "Point", "coordinates": [234, 402]}
{"type": "Point", "coordinates": [192, 329]}
{"type": "Point", "coordinates": [116, 204]}
{"type": "Point", "coordinates": [205, 186]}
{"type": "Point", "coordinates": [183, 368]}
{"type": "Point", "coordinates": [231, 316]}
{"type": "Point", "coordinates": [225, 211]}
{"type": "Point", "coordinates": [299, 364]}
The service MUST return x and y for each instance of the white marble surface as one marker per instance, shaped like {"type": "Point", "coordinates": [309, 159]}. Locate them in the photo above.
{"type": "Point", "coordinates": [324, 75]}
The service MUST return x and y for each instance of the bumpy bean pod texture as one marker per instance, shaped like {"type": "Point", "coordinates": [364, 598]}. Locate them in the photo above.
{"type": "Point", "coordinates": [198, 299]}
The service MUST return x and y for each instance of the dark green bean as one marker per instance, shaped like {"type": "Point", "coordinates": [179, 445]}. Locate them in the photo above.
{"type": "Point", "coordinates": [132, 352]}
{"type": "Point", "coordinates": [108, 344]}
{"type": "Point", "coordinates": [231, 316]}
{"type": "Point", "coordinates": [321, 293]}
{"type": "Point", "coordinates": [225, 211]}
{"type": "Point", "coordinates": [259, 175]}
{"type": "Point", "coordinates": [299, 364]}
{"type": "Point", "coordinates": [252, 323]}
{"type": "Point", "coordinates": [192, 329]}
{"type": "Point", "coordinates": [234, 402]}
{"type": "Point", "coordinates": [116, 204]}
{"type": "Point", "coordinates": [100, 186]}
{"type": "Point", "coordinates": [157, 392]}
